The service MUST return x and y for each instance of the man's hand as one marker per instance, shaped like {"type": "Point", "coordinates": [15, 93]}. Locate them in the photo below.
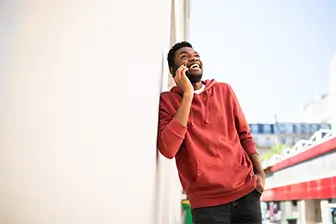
{"type": "Point", "coordinates": [182, 81]}
{"type": "Point", "coordinates": [260, 182]}
{"type": "Point", "coordinates": [259, 172]}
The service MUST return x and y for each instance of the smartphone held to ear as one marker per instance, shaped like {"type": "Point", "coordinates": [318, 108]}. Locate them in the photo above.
{"type": "Point", "coordinates": [175, 67]}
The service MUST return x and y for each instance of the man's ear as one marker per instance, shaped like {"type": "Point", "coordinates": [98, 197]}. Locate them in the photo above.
{"type": "Point", "coordinates": [171, 70]}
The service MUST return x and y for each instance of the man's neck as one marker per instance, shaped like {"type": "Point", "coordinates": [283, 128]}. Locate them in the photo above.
{"type": "Point", "coordinates": [197, 85]}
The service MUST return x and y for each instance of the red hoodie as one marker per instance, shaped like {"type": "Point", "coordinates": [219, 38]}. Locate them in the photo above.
{"type": "Point", "coordinates": [212, 151]}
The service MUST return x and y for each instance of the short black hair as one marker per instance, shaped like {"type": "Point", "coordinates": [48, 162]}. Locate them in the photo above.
{"type": "Point", "coordinates": [172, 51]}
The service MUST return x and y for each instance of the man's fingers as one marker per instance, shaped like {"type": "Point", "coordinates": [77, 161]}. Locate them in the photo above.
{"type": "Point", "coordinates": [182, 70]}
{"type": "Point", "coordinates": [179, 70]}
{"type": "Point", "coordinates": [260, 189]}
{"type": "Point", "coordinates": [178, 74]}
{"type": "Point", "coordinates": [185, 70]}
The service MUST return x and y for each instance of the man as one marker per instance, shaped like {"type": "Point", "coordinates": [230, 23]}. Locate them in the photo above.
{"type": "Point", "coordinates": [202, 125]}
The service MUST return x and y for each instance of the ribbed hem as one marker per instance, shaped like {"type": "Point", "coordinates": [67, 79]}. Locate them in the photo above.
{"type": "Point", "coordinates": [177, 129]}
{"type": "Point", "coordinates": [200, 202]}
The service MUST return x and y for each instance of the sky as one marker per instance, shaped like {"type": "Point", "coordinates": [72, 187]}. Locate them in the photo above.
{"type": "Point", "coordinates": [274, 53]}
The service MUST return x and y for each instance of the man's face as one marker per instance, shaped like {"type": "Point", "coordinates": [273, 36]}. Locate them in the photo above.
{"type": "Point", "coordinates": [190, 58]}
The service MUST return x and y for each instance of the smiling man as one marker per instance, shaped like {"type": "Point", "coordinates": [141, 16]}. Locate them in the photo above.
{"type": "Point", "coordinates": [202, 125]}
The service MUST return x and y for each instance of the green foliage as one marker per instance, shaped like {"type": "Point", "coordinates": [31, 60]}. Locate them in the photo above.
{"type": "Point", "coordinates": [276, 150]}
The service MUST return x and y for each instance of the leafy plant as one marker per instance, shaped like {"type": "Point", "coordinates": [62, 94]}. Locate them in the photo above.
{"type": "Point", "coordinates": [276, 150]}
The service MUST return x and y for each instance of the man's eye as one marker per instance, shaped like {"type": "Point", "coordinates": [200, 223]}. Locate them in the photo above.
{"type": "Point", "coordinates": [184, 56]}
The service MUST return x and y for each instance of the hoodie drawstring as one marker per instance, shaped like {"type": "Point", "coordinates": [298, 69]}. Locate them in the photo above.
{"type": "Point", "coordinates": [207, 108]}
{"type": "Point", "coordinates": [206, 112]}
{"type": "Point", "coordinates": [191, 118]}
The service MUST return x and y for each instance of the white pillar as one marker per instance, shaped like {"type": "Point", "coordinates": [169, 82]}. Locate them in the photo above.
{"type": "Point", "coordinates": [302, 212]}
{"type": "Point", "coordinates": [325, 212]}
{"type": "Point", "coordinates": [307, 212]}
{"type": "Point", "coordinates": [286, 210]}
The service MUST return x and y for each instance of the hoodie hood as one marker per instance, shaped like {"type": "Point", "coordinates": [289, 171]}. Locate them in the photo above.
{"type": "Point", "coordinates": [208, 93]}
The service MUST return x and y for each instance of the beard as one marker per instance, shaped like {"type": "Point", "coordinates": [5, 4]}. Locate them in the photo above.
{"type": "Point", "coordinates": [194, 78]}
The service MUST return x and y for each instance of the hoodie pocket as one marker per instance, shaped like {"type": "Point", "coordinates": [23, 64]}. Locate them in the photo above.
{"type": "Point", "coordinates": [220, 175]}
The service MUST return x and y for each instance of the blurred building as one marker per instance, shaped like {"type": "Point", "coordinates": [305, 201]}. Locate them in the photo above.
{"type": "Point", "coordinates": [268, 135]}
{"type": "Point", "coordinates": [318, 110]}
{"type": "Point", "coordinates": [79, 93]}
{"type": "Point", "coordinates": [303, 183]}
{"type": "Point", "coordinates": [323, 107]}
{"type": "Point", "coordinates": [317, 114]}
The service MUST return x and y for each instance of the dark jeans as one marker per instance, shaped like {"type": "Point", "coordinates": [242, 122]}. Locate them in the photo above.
{"type": "Point", "coordinates": [245, 210]}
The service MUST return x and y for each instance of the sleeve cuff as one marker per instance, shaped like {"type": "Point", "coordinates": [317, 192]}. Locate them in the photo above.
{"type": "Point", "coordinates": [251, 150]}
{"type": "Point", "coordinates": [177, 128]}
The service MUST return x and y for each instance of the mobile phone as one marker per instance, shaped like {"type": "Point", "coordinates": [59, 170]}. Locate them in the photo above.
{"type": "Point", "coordinates": [175, 67]}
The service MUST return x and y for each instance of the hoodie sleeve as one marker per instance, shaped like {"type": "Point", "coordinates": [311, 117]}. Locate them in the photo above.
{"type": "Point", "coordinates": [242, 126]}
{"type": "Point", "coordinates": [170, 133]}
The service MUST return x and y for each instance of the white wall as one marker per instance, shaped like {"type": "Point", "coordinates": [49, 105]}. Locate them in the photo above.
{"type": "Point", "coordinates": [79, 112]}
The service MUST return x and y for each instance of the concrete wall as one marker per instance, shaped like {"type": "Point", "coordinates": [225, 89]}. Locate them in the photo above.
{"type": "Point", "coordinates": [80, 82]}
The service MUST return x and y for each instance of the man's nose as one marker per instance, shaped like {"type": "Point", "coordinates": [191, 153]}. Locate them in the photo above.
{"type": "Point", "coordinates": [193, 58]}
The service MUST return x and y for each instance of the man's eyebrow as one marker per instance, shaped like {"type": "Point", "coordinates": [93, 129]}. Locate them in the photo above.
{"type": "Point", "coordinates": [183, 52]}
{"type": "Point", "coordinates": [186, 52]}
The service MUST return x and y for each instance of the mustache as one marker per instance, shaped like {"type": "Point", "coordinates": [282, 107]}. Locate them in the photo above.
{"type": "Point", "coordinates": [194, 78]}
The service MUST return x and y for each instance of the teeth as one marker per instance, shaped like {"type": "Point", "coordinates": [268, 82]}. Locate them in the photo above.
{"type": "Point", "coordinates": [194, 66]}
